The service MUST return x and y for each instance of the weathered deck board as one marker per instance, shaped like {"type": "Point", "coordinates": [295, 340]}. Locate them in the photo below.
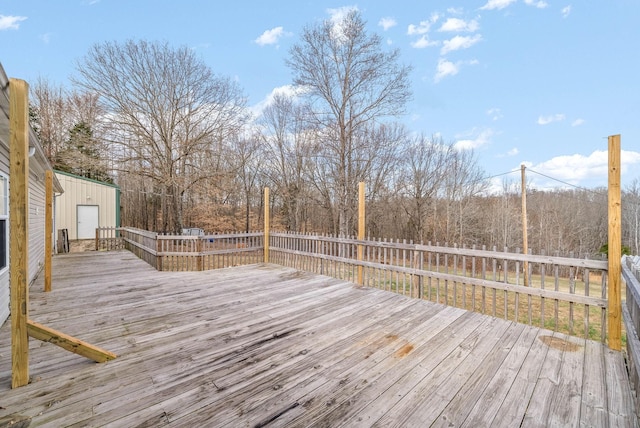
{"type": "Point", "coordinates": [263, 345]}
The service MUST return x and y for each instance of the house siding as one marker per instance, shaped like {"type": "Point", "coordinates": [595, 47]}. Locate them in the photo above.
{"type": "Point", "coordinates": [38, 165]}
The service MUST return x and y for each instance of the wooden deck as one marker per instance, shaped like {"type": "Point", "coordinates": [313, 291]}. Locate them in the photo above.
{"type": "Point", "coordinates": [263, 345]}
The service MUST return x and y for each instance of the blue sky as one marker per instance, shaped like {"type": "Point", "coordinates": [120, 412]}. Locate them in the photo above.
{"type": "Point", "coordinates": [539, 82]}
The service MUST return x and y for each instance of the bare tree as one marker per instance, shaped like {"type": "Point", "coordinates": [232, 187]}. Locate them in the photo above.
{"type": "Point", "coordinates": [166, 111]}
{"type": "Point", "coordinates": [246, 163]}
{"type": "Point", "coordinates": [352, 85]}
{"type": "Point", "coordinates": [68, 124]}
{"type": "Point", "coordinates": [52, 116]}
{"type": "Point", "coordinates": [289, 146]}
{"type": "Point", "coordinates": [424, 162]}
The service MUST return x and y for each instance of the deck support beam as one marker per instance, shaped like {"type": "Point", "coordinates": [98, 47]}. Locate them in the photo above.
{"type": "Point", "coordinates": [71, 344]}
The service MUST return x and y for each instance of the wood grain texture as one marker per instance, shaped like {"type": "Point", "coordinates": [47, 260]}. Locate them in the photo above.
{"type": "Point", "coordinates": [48, 228]}
{"type": "Point", "coordinates": [614, 322]}
{"type": "Point", "coordinates": [69, 343]}
{"type": "Point", "coordinates": [263, 345]}
{"type": "Point", "coordinates": [19, 228]}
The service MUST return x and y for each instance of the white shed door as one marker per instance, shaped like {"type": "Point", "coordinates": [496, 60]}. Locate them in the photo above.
{"type": "Point", "coordinates": [87, 221]}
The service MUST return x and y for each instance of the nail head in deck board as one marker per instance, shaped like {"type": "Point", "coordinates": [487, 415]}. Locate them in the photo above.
{"type": "Point", "coordinates": [220, 321]}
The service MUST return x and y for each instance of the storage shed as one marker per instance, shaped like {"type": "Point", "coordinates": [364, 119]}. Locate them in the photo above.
{"type": "Point", "coordinates": [85, 205]}
{"type": "Point", "coordinates": [38, 165]}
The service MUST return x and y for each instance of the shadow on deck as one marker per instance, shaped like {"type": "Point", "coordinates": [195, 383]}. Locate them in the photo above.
{"type": "Point", "coordinates": [263, 345]}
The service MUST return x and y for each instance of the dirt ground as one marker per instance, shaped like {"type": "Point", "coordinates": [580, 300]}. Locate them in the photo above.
{"type": "Point", "coordinates": [81, 245]}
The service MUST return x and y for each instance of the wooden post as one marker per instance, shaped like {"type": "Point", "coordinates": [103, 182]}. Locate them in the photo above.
{"type": "Point", "coordinates": [525, 239]}
{"type": "Point", "coordinates": [19, 226]}
{"type": "Point", "coordinates": [266, 225]}
{"type": "Point", "coordinates": [361, 226]}
{"type": "Point", "coordinates": [48, 228]}
{"type": "Point", "coordinates": [614, 245]}
{"type": "Point", "coordinates": [200, 256]}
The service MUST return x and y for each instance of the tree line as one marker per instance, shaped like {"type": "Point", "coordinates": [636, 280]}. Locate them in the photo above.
{"type": "Point", "coordinates": [180, 142]}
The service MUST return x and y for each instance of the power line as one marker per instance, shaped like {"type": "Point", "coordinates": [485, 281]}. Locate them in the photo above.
{"type": "Point", "coordinates": [566, 183]}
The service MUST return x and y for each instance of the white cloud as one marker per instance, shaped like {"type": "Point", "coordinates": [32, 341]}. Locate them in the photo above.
{"type": "Point", "coordinates": [513, 152]}
{"type": "Point", "coordinates": [545, 120]}
{"type": "Point", "coordinates": [287, 90]}
{"type": "Point", "coordinates": [494, 113]}
{"type": "Point", "coordinates": [497, 4]}
{"type": "Point", "coordinates": [203, 45]}
{"type": "Point", "coordinates": [476, 138]}
{"type": "Point", "coordinates": [446, 68]}
{"type": "Point", "coordinates": [423, 27]}
{"type": "Point", "coordinates": [458, 25]}
{"type": "Point", "coordinates": [387, 23]}
{"type": "Point", "coordinates": [455, 10]}
{"type": "Point", "coordinates": [577, 122]}
{"type": "Point", "coordinates": [459, 42]}
{"type": "Point", "coordinates": [424, 42]}
{"type": "Point", "coordinates": [270, 37]}
{"type": "Point", "coordinates": [10, 22]}
{"type": "Point", "coordinates": [540, 4]}
{"type": "Point", "coordinates": [337, 15]}
{"type": "Point", "coordinates": [577, 167]}
{"type": "Point", "coordinates": [566, 11]}
{"type": "Point", "coordinates": [46, 38]}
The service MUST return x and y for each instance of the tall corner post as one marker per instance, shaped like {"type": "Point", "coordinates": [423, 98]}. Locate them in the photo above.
{"type": "Point", "coordinates": [614, 246]}
{"type": "Point", "coordinates": [48, 228]}
{"type": "Point", "coordinates": [19, 226]}
{"type": "Point", "coordinates": [525, 239]}
{"type": "Point", "coordinates": [266, 225]}
{"type": "Point", "coordinates": [361, 232]}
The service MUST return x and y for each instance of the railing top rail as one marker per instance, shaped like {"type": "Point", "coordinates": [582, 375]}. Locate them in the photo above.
{"type": "Point", "coordinates": [462, 251]}
{"type": "Point", "coordinates": [140, 232]}
{"type": "Point", "coordinates": [212, 236]}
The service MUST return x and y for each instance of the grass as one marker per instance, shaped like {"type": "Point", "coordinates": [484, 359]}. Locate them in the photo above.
{"type": "Point", "coordinates": [572, 318]}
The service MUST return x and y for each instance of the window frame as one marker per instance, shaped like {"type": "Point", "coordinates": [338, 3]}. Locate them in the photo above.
{"type": "Point", "coordinates": [4, 218]}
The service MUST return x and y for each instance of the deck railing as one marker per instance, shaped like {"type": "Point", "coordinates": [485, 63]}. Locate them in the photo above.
{"type": "Point", "coordinates": [631, 316]}
{"type": "Point", "coordinates": [184, 252]}
{"type": "Point", "coordinates": [566, 294]}
{"type": "Point", "coordinates": [562, 293]}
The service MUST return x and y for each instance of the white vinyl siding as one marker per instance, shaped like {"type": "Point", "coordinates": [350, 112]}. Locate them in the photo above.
{"type": "Point", "coordinates": [36, 219]}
